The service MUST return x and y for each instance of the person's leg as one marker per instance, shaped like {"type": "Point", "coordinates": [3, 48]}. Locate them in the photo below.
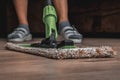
{"type": "Point", "coordinates": [21, 10]}
{"type": "Point", "coordinates": [62, 9]}
{"type": "Point", "coordinates": [64, 25]}
{"type": "Point", "coordinates": [21, 33]}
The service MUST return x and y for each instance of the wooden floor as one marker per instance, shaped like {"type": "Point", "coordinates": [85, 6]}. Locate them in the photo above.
{"type": "Point", "coordinates": [20, 66]}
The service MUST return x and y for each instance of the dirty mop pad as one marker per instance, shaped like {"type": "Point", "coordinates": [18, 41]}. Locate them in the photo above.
{"type": "Point", "coordinates": [75, 53]}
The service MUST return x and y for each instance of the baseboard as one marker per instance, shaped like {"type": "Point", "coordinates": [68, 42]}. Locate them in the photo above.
{"type": "Point", "coordinates": [89, 35]}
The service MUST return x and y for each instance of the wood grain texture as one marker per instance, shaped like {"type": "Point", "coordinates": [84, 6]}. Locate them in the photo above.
{"type": "Point", "coordinates": [20, 66]}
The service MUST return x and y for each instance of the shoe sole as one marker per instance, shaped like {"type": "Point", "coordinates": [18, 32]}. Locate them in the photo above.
{"type": "Point", "coordinates": [26, 38]}
{"type": "Point", "coordinates": [77, 41]}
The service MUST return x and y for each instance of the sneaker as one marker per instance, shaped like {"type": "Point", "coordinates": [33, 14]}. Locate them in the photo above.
{"type": "Point", "coordinates": [19, 35]}
{"type": "Point", "coordinates": [71, 33]}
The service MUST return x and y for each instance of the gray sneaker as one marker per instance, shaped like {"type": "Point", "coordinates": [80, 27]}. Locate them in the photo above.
{"type": "Point", "coordinates": [19, 35]}
{"type": "Point", "coordinates": [71, 33]}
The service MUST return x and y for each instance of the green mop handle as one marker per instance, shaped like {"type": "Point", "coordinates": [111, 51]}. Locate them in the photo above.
{"type": "Point", "coordinates": [50, 19]}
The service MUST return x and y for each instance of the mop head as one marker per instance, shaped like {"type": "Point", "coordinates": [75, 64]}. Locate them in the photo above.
{"type": "Point", "coordinates": [75, 53]}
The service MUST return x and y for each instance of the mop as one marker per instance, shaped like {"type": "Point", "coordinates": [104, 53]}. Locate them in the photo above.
{"type": "Point", "coordinates": [50, 48]}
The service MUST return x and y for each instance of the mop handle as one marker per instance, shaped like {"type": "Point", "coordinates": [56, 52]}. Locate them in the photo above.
{"type": "Point", "coordinates": [48, 2]}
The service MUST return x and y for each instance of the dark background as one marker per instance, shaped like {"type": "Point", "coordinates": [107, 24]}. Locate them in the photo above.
{"type": "Point", "coordinates": [93, 18]}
